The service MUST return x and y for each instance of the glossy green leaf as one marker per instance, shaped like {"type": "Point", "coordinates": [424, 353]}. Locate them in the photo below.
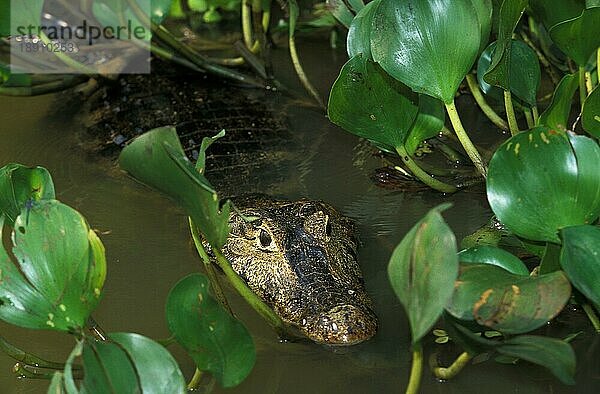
{"type": "Point", "coordinates": [579, 38]}
{"type": "Point", "coordinates": [556, 115]}
{"type": "Point", "coordinates": [367, 102]}
{"type": "Point", "coordinates": [590, 117]}
{"type": "Point", "coordinates": [485, 10]}
{"type": "Point", "coordinates": [156, 158]}
{"type": "Point", "coordinates": [494, 256]}
{"type": "Point", "coordinates": [422, 271]}
{"type": "Point", "coordinates": [19, 186]}
{"type": "Point", "coordinates": [542, 180]}
{"type": "Point", "coordinates": [156, 369]}
{"type": "Point", "coordinates": [498, 73]}
{"type": "Point", "coordinates": [56, 278]}
{"type": "Point", "coordinates": [108, 369]}
{"type": "Point", "coordinates": [551, 12]}
{"type": "Point", "coordinates": [429, 122]}
{"type": "Point", "coordinates": [556, 355]}
{"type": "Point", "coordinates": [524, 71]}
{"type": "Point", "coordinates": [580, 259]}
{"type": "Point", "coordinates": [506, 302]}
{"type": "Point", "coordinates": [216, 341]}
{"type": "Point", "coordinates": [359, 34]}
{"type": "Point", "coordinates": [416, 43]}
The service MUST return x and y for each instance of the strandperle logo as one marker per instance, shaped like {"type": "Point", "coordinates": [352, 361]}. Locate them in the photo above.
{"type": "Point", "coordinates": [56, 36]}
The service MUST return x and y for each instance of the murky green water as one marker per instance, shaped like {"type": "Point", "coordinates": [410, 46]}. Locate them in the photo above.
{"type": "Point", "coordinates": [148, 250]}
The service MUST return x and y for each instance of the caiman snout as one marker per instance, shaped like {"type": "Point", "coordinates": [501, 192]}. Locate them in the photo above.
{"type": "Point", "coordinates": [343, 325]}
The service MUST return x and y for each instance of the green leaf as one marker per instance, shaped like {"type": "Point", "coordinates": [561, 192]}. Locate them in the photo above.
{"type": "Point", "coordinates": [556, 115]}
{"type": "Point", "coordinates": [206, 143]}
{"type": "Point", "coordinates": [554, 354]}
{"type": "Point", "coordinates": [506, 302]}
{"type": "Point", "coordinates": [416, 43]}
{"type": "Point", "coordinates": [359, 34]}
{"type": "Point", "coordinates": [590, 117]}
{"type": "Point", "coordinates": [498, 73]}
{"type": "Point", "coordinates": [156, 158]}
{"type": "Point", "coordinates": [340, 11]}
{"type": "Point", "coordinates": [108, 369]}
{"type": "Point", "coordinates": [580, 259]}
{"type": "Point", "coordinates": [293, 11]}
{"type": "Point", "coordinates": [552, 12]}
{"type": "Point", "coordinates": [367, 102]}
{"type": "Point", "coordinates": [429, 122]}
{"type": "Point", "coordinates": [484, 9]}
{"type": "Point", "coordinates": [525, 74]}
{"type": "Point", "coordinates": [156, 369]}
{"type": "Point", "coordinates": [216, 341]}
{"type": "Point", "coordinates": [494, 256]}
{"type": "Point", "coordinates": [542, 180]}
{"type": "Point", "coordinates": [579, 38]}
{"type": "Point", "coordinates": [56, 278]}
{"type": "Point", "coordinates": [20, 185]}
{"type": "Point", "coordinates": [422, 271]}
{"type": "Point", "coordinates": [22, 14]}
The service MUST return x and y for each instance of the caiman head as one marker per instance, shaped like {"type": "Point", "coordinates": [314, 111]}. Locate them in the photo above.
{"type": "Point", "coordinates": [300, 258]}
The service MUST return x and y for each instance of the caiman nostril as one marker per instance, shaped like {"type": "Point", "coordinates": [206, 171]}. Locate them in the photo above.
{"type": "Point", "coordinates": [346, 325]}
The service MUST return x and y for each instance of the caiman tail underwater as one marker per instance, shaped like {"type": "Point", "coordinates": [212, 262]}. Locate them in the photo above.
{"type": "Point", "coordinates": [300, 258]}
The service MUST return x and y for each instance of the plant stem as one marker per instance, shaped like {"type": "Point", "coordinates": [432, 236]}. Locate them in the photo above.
{"type": "Point", "coordinates": [422, 175]}
{"type": "Point", "coordinates": [79, 67]}
{"type": "Point", "coordinates": [95, 329]}
{"type": "Point", "coordinates": [510, 113]}
{"type": "Point", "coordinates": [485, 107]}
{"type": "Point", "coordinates": [588, 82]}
{"type": "Point", "coordinates": [300, 72]}
{"type": "Point", "coordinates": [536, 114]}
{"type": "Point", "coordinates": [255, 302]}
{"type": "Point", "coordinates": [28, 358]}
{"type": "Point", "coordinates": [582, 91]}
{"type": "Point", "coordinates": [464, 139]}
{"type": "Point", "coordinates": [591, 314]}
{"type": "Point", "coordinates": [195, 382]}
{"type": "Point", "coordinates": [247, 23]}
{"type": "Point", "coordinates": [208, 265]}
{"type": "Point", "coordinates": [528, 117]}
{"type": "Point", "coordinates": [416, 369]}
{"type": "Point", "coordinates": [448, 373]}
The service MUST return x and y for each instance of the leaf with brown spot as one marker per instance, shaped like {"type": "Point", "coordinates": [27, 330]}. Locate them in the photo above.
{"type": "Point", "coordinates": [507, 302]}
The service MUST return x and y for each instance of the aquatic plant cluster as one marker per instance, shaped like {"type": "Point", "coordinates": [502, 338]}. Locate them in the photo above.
{"type": "Point", "coordinates": [407, 63]}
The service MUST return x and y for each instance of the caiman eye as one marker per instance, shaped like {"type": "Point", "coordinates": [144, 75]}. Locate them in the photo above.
{"type": "Point", "coordinates": [265, 238]}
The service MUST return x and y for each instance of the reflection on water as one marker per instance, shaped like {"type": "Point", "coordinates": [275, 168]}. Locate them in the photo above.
{"type": "Point", "coordinates": [148, 250]}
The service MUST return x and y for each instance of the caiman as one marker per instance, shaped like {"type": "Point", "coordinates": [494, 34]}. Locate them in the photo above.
{"type": "Point", "coordinates": [298, 256]}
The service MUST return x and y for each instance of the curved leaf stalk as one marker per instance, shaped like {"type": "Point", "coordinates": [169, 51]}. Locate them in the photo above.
{"type": "Point", "coordinates": [416, 369]}
{"type": "Point", "coordinates": [528, 117]}
{"type": "Point", "coordinates": [94, 328]}
{"type": "Point", "coordinates": [301, 74]}
{"type": "Point", "coordinates": [464, 139]}
{"type": "Point", "coordinates": [247, 24]}
{"type": "Point", "coordinates": [485, 107]}
{"type": "Point", "coordinates": [582, 88]}
{"type": "Point", "coordinates": [536, 114]}
{"type": "Point", "coordinates": [63, 57]}
{"type": "Point", "coordinates": [510, 113]}
{"type": "Point", "coordinates": [422, 175]}
{"type": "Point", "coordinates": [37, 90]}
{"type": "Point", "coordinates": [194, 383]}
{"type": "Point", "coordinates": [199, 60]}
{"type": "Point", "coordinates": [588, 83]}
{"type": "Point", "coordinates": [255, 302]}
{"type": "Point", "coordinates": [591, 314]}
{"type": "Point", "coordinates": [28, 372]}
{"type": "Point", "coordinates": [449, 372]}
{"type": "Point", "coordinates": [210, 270]}
{"type": "Point", "coordinates": [29, 359]}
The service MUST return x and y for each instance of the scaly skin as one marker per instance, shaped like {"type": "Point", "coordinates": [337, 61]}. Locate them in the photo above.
{"type": "Point", "coordinates": [300, 258]}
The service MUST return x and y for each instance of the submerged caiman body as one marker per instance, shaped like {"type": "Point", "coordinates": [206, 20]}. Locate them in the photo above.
{"type": "Point", "coordinates": [298, 256]}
